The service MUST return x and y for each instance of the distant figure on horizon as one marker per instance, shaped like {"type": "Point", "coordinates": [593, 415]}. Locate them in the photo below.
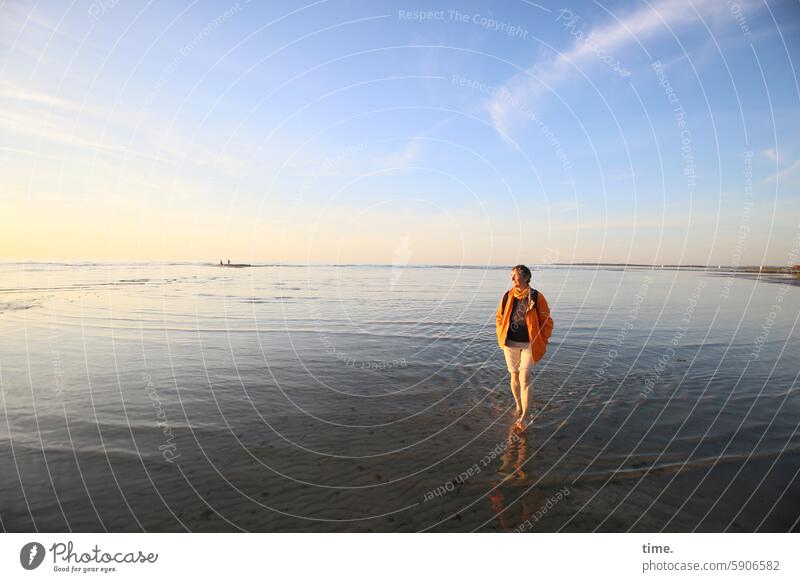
{"type": "Point", "coordinates": [220, 262]}
{"type": "Point", "coordinates": [229, 261]}
{"type": "Point", "coordinates": [524, 327]}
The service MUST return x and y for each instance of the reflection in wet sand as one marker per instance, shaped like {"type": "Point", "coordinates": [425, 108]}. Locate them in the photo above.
{"type": "Point", "coordinates": [511, 470]}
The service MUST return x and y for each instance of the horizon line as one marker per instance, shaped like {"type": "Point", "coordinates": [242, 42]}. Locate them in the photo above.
{"type": "Point", "coordinates": [88, 262]}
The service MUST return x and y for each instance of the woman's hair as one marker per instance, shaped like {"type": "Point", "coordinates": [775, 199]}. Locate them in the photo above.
{"type": "Point", "coordinates": [523, 270]}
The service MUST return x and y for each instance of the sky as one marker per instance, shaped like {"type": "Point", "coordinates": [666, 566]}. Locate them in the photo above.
{"type": "Point", "coordinates": [480, 133]}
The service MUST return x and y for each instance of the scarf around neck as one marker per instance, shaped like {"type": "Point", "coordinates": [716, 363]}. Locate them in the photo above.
{"type": "Point", "coordinates": [524, 295]}
{"type": "Point", "coordinates": [514, 294]}
{"type": "Point", "coordinates": [521, 294]}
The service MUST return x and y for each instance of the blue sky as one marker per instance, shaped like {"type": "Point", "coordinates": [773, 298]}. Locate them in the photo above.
{"type": "Point", "coordinates": [378, 132]}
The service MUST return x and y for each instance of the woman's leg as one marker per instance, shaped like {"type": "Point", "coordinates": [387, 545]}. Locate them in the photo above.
{"type": "Point", "coordinates": [512, 356]}
{"type": "Point", "coordinates": [523, 392]}
{"type": "Point", "coordinates": [515, 391]}
{"type": "Point", "coordinates": [525, 382]}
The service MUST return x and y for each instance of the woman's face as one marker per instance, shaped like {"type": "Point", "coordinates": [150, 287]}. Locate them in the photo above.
{"type": "Point", "coordinates": [519, 280]}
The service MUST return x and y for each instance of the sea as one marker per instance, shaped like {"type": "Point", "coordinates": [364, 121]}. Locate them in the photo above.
{"type": "Point", "coordinates": [297, 398]}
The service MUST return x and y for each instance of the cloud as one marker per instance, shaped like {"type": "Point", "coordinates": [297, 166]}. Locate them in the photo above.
{"type": "Point", "coordinates": [787, 173]}
{"type": "Point", "coordinates": [36, 97]}
{"type": "Point", "coordinates": [38, 127]}
{"type": "Point", "coordinates": [31, 39]}
{"type": "Point", "coordinates": [564, 206]}
{"type": "Point", "coordinates": [599, 45]}
{"type": "Point", "coordinates": [102, 130]}
{"type": "Point", "coordinates": [413, 148]}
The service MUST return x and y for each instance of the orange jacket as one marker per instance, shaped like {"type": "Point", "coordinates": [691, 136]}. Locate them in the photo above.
{"type": "Point", "coordinates": [538, 320]}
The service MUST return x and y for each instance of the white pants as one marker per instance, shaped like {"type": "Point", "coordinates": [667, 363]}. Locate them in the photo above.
{"type": "Point", "coordinates": [518, 359]}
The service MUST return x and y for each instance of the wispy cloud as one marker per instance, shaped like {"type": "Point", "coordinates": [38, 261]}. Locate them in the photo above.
{"type": "Point", "coordinates": [22, 124]}
{"type": "Point", "coordinates": [28, 96]}
{"type": "Point", "coordinates": [30, 37]}
{"type": "Point", "coordinates": [413, 147]}
{"type": "Point", "coordinates": [104, 130]}
{"type": "Point", "coordinates": [589, 45]}
{"type": "Point", "coordinates": [788, 172]}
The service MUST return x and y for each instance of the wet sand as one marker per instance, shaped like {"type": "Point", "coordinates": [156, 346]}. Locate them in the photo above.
{"type": "Point", "coordinates": [470, 474]}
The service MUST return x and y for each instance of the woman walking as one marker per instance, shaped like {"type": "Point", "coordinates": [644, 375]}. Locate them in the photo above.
{"type": "Point", "coordinates": [524, 327]}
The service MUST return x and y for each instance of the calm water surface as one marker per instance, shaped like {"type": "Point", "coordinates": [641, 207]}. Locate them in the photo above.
{"type": "Point", "coordinates": [172, 397]}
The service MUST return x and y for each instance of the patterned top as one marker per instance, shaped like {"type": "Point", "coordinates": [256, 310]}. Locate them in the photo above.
{"type": "Point", "coordinates": [517, 329]}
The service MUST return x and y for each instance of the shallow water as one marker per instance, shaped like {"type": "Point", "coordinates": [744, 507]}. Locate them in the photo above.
{"type": "Point", "coordinates": [170, 397]}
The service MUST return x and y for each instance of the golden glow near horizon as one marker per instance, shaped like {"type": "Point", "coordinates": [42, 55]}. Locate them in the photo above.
{"type": "Point", "coordinates": [147, 233]}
